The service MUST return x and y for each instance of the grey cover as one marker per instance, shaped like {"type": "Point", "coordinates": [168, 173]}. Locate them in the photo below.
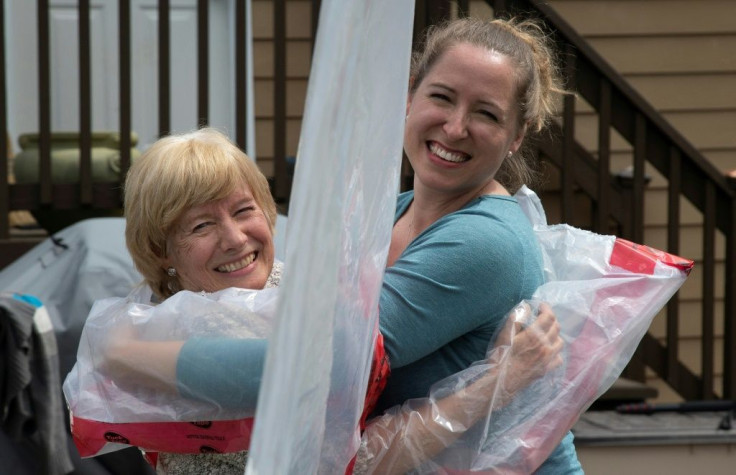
{"type": "Point", "coordinates": [68, 272]}
{"type": "Point", "coordinates": [32, 408]}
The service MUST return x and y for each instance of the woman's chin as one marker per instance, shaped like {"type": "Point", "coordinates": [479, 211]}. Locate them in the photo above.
{"type": "Point", "coordinates": [250, 280]}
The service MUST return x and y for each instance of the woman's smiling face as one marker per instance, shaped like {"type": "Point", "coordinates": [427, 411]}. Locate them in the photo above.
{"type": "Point", "coordinates": [462, 120]}
{"type": "Point", "coordinates": [221, 244]}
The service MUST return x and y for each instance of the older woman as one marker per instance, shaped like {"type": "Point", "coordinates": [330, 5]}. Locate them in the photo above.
{"type": "Point", "coordinates": [199, 216]}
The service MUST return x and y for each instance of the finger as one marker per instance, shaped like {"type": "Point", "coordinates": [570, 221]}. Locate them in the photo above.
{"type": "Point", "coordinates": [517, 319]}
{"type": "Point", "coordinates": [556, 358]}
{"type": "Point", "coordinates": [545, 313]}
{"type": "Point", "coordinates": [544, 307]}
{"type": "Point", "coordinates": [546, 319]}
{"type": "Point", "coordinates": [522, 314]}
{"type": "Point", "coordinates": [555, 363]}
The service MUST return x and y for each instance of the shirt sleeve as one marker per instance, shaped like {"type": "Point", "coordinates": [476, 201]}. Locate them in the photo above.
{"type": "Point", "coordinates": [464, 274]}
{"type": "Point", "coordinates": [225, 371]}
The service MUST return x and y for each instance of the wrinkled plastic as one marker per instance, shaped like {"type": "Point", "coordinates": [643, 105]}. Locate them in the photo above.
{"type": "Point", "coordinates": [340, 219]}
{"type": "Point", "coordinates": [605, 291]}
{"type": "Point", "coordinates": [107, 415]}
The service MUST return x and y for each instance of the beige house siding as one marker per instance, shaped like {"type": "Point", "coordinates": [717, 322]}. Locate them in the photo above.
{"type": "Point", "coordinates": [298, 64]}
{"type": "Point", "coordinates": [678, 54]}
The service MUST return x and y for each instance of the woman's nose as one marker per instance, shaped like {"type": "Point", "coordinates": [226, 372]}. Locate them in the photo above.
{"type": "Point", "coordinates": [232, 235]}
{"type": "Point", "coordinates": [456, 126]}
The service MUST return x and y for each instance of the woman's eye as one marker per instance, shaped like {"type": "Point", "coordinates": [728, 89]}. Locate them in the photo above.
{"type": "Point", "coordinates": [490, 115]}
{"type": "Point", "coordinates": [246, 209]}
{"type": "Point", "coordinates": [199, 226]}
{"type": "Point", "coordinates": [440, 96]}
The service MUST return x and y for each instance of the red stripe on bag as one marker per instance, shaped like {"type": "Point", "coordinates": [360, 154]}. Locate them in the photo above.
{"type": "Point", "coordinates": [641, 259]}
{"type": "Point", "coordinates": [91, 436]}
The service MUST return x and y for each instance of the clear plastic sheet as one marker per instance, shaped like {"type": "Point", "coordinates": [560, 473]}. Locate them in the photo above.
{"type": "Point", "coordinates": [107, 414]}
{"type": "Point", "coordinates": [605, 292]}
{"type": "Point", "coordinates": [340, 219]}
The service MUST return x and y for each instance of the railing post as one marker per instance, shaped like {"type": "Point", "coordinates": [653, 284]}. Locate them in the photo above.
{"type": "Point", "coordinates": [708, 290]}
{"type": "Point", "coordinates": [568, 138]}
{"type": "Point", "coordinates": [125, 93]}
{"type": "Point", "coordinates": [672, 374]}
{"type": "Point", "coordinates": [282, 181]}
{"type": "Point", "coordinates": [640, 151]}
{"type": "Point", "coordinates": [604, 158]}
{"type": "Point", "coordinates": [44, 104]}
{"type": "Point", "coordinates": [729, 309]}
{"type": "Point", "coordinates": [4, 158]}
{"type": "Point", "coordinates": [164, 70]}
{"type": "Point", "coordinates": [241, 96]}
{"type": "Point", "coordinates": [203, 89]}
{"type": "Point", "coordinates": [316, 7]}
{"type": "Point", "coordinates": [85, 106]}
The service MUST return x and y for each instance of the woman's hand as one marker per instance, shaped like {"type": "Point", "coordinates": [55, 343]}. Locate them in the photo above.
{"type": "Point", "coordinates": [530, 350]}
{"type": "Point", "coordinates": [406, 436]}
{"type": "Point", "coordinates": [132, 362]}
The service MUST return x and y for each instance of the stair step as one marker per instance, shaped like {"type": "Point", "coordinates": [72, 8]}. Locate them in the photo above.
{"type": "Point", "coordinates": [624, 391]}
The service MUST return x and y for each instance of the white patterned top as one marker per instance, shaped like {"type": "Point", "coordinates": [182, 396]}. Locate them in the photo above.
{"type": "Point", "coordinates": [219, 464]}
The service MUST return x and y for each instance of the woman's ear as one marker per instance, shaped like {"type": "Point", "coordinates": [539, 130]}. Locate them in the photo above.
{"type": "Point", "coordinates": [519, 139]}
{"type": "Point", "coordinates": [165, 262]}
{"type": "Point", "coordinates": [409, 96]}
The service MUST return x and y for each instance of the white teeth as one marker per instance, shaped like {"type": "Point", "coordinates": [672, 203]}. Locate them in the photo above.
{"type": "Point", "coordinates": [447, 155]}
{"type": "Point", "coordinates": [238, 265]}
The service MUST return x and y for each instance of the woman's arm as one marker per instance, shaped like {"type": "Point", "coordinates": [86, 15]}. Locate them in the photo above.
{"type": "Point", "coordinates": [224, 371]}
{"type": "Point", "coordinates": [421, 428]}
{"type": "Point", "coordinates": [146, 363]}
{"type": "Point", "coordinates": [133, 363]}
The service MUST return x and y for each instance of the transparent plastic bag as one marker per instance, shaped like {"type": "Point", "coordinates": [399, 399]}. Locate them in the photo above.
{"type": "Point", "coordinates": [340, 220]}
{"type": "Point", "coordinates": [604, 291]}
{"type": "Point", "coordinates": [107, 415]}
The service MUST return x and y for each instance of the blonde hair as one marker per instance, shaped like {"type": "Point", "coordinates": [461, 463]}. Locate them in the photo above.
{"type": "Point", "coordinates": [175, 174]}
{"type": "Point", "coordinates": [538, 80]}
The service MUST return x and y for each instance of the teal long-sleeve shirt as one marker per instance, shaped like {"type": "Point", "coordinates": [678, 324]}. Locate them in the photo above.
{"type": "Point", "coordinates": [440, 304]}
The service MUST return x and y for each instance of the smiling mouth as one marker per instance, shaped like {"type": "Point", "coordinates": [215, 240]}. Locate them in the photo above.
{"type": "Point", "coordinates": [446, 155]}
{"type": "Point", "coordinates": [233, 266]}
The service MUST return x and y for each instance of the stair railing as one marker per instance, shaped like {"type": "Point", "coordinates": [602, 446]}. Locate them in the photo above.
{"type": "Point", "coordinates": [689, 175]}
